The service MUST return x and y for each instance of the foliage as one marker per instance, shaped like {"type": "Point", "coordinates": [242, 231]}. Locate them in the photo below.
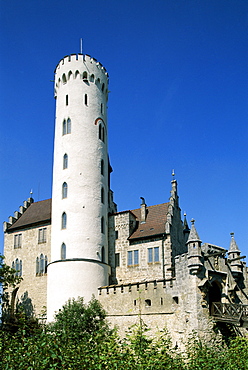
{"type": "Point", "coordinates": [81, 339]}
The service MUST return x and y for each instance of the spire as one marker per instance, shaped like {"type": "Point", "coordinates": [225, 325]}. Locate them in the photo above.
{"type": "Point", "coordinates": [185, 223]}
{"type": "Point", "coordinates": [233, 245]}
{"type": "Point", "coordinates": [193, 235]}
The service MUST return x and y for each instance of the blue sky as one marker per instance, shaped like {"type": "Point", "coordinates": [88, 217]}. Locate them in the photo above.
{"type": "Point", "coordinates": [178, 100]}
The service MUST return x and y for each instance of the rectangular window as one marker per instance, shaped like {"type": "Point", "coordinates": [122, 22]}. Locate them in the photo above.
{"type": "Point", "coordinates": [18, 241]}
{"type": "Point", "coordinates": [117, 259]}
{"type": "Point", "coordinates": [153, 255]}
{"type": "Point", "coordinates": [42, 235]}
{"type": "Point", "coordinates": [132, 258]}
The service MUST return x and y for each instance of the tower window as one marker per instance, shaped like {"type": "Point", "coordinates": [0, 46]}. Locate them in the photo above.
{"type": "Point", "coordinates": [117, 259]}
{"type": "Point", "coordinates": [63, 251]}
{"type": "Point", "coordinates": [148, 302]}
{"type": "Point", "coordinates": [77, 74]}
{"type": "Point", "coordinates": [85, 99]}
{"type": "Point", "coordinates": [65, 161]}
{"type": "Point", "coordinates": [102, 167]}
{"type": "Point", "coordinates": [133, 258]}
{"type": "Point", "coordinates": [102, 225]}
{"type": "Point", "coordinates": [101, 133]}
{"type": "Point", "coordinates": [102, 108]}
{"type": "Point", "coordinates": [66, 100]}
{"type": "Point", "coordinates": [18, 241]}
{"type": "Point", "coordinates": [64, 221]}
{"type": "Point", "coordinates": [103, 254]}
{"type": "Point", "coordinates": [103, 87]}
{"type": "Point", "coordinates": [66, 126]}
{"type": "Point", "coordinates": [64, 79]}
{"type": "Point", "coordinates": [92, 78]}
{"type": "Point", "coordinates": [102, 195]}
{"type": "Point", "coordinates": [64, 190]}
{"type": "Point", "coordinates": [85, 78]}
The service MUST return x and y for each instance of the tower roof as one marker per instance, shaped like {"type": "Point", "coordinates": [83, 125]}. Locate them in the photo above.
{"type": "Point", "coordinates": [193, 235]}
{"type": "Point", "coordinates": [233, 245]}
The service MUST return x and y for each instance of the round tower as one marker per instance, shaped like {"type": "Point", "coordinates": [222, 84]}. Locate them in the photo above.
{"type": "Point", "coordinates": [79, 240]}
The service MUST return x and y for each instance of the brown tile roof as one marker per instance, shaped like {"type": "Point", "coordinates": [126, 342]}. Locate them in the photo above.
{"type": "Point", "coordinates": [155, 221]}
{"type": "Point", "coordinates": [36, 213]}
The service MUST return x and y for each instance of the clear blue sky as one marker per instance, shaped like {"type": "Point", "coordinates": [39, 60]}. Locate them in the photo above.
{"type": "Point", "coordinates": [179, 100]}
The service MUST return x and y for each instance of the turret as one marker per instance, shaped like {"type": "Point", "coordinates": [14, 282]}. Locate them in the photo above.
{"type": "Point", "coordinates": [194, 250]}
{"type": "Point", "coordinates": [80, 196]}
{"type": "Point", "coordinates": [234, 257]}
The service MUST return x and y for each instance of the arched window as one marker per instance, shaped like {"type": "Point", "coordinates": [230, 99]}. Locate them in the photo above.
{"type": "Point", "coordinates": [77, 74]}
{"type": "Point", "coordinates": [85, 78]}
{"type": "Point", "coordinates": [68, 126]}
{"type": "Point", "coordinates": [64, 190]}
{"type": "Point", "coordinates": [98, 82]}
{"type": "Point", "coordinates": [85, 99]}
{"type": "Point", "coordinates": [42, 264]}
{"type": "Point", "coordinates": [103, 254]}
{"type": "Point", "coordinates": [64, 79]}
{"type": "Point", "coordinates": [37, 266]}
{"type": "Point", "coordinates": [69, 75]}
{"type": "Point", "coordinates": [63, 221]}
{"type": "Point", "coordinates": [64, 127]}
{"type": "Point", "coordinates": [65, 161]}
{"type": "Point", "coordinates": [101, 133]}
{"type": "Point", "coordinates": [102, 195]}
{"type": "Point", "coordinates": [102, 225]}
{"type": "Point", "coordinates": [92, 78]}
{"type": "Point", "coordinates": [103, 87]}
{"type": "Point", "coordinates": [102, 167]}
{"type": "Point", "coordinates": [63, 251]}
{"type": "Point", "coordinates": [17, 265]}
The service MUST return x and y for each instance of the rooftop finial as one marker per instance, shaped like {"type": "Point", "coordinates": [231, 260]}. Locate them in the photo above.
{"type": "Point", "coordinates": [192, 221]}
{"type": "Point", "coordinates": [173, 174]}
{"type": "Point", "coordinates": [31, 193]}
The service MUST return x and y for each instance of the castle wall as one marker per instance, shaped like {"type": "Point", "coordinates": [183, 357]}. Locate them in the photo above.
{"type": "Point", "coordinates": [34, 284]}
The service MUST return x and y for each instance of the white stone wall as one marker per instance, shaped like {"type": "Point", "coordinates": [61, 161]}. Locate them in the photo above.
{"type": "Point", "coordinates": [77, 77]}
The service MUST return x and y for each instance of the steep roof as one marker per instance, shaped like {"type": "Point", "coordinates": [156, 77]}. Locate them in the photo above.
{"type": "Point", "coordinates": [36, 213]}
{"type": "Point", "coordinates": [155, 221]}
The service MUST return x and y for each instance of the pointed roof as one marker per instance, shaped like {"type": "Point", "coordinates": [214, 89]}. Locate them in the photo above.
{"type": "Point", "coordinates": [193, 235]}
{"type": "Point", "coordinates": [233, 245]}
{"type": "Point", "coordinates": [185, 224]}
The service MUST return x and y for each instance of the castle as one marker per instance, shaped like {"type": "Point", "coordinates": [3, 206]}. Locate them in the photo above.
{"type": "Point", "coordinates": [143, 262]}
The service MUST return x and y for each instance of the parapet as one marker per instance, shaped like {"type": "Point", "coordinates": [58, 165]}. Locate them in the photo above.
{"type": "Point", "coordinates": [17, 214]}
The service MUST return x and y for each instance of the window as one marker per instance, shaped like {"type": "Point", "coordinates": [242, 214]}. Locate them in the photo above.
{"type": "Point", "coordinates": [42, 235]}
{"type": "Point", "coordinates": [66, 126]}
{"type": "Point", "coordinates": [66, 100]}
{"type": "Point", "coordinates": [64, 79]}
{"type": "Point", "coordinates": [153, 255]}
{"type": "Point", "coordinates": [103, 87]}
{"type": "Point", "coordinates": [92, 78]}
{"type": "Point", "coordinates": [117, 259]}
{"type": "Point", "coordinates": [85, 76]}
{"type": "Point", "coordinates": [133, 258]}
{"type": "Point", "coordinates": [116, 234]}
{"type": "Point", "coordinates": [101, 108]}
{"type": "Point", "coordinates": [41, 265]}
{"type": "Point", "coordinates": [101, 133]}
{"type": "Point", "coordinates": [63, 251]}
{"type": "Point", "coordinates": [103, 254]}
{"type": "Point", "coordinates": [102, 167]}
{"type": "Point", "coordinates": [102, 225]}
{"type": "Point", "coordinates": [17, 265]}
{"type": "Point", "coordinates": [18, 241]}
{"type": "Point", "coordinates": [85, 99]}
{"type": "Point", "coordinates": [102, 195]}
{"type": "Point", "coordinates": [64, 190]}
{"type": "Point", "coordinates": [64, 221]}
{"type": "Point", "coordinates": [65, 161]}
{"type": "Point", "coordinates": [148, 302]}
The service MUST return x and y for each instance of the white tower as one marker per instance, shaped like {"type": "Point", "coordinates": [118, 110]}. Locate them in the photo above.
{"type": "Point", "coordinates": [79, 241]}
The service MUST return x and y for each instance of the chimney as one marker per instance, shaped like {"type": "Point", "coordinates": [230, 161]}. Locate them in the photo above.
{"type": "Point", "coordinates": [143, 210]}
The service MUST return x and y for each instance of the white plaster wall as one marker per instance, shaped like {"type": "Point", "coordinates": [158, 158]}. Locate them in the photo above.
{"type": "Point", "coordinates": [71, 279]}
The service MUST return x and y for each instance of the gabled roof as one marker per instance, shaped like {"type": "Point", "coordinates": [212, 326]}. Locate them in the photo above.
{"type": "Point", "coordinates": [155, 221]}
{"type": "Point", "coordinates": [36, 213]}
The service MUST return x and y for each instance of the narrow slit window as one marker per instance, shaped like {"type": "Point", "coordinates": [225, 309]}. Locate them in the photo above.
{"type": "Point", "coordinates": [85, 99]}
{"type": "Point", "coordinates": [102, 167]}
{"type": "Point", "coordinates": [68, 126]}
{"type": "Point", "coordinates": [102, 225]}
{"type": "Point", "coordinates": [66, 100]}
{"type": "Point", "coordinates": [102, 196]}
{"type": "Point", "coordinates": [63, 251]}
{"type": "Point", "coordinates": [64, 190]}
{"type": "Point", "coordinates": [64, 221]}
{"type": "Point", "coordinates": [65, 161]}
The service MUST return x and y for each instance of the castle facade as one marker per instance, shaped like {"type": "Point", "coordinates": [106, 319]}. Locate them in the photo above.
{"type": "Point", "coordinates": [145, 262]}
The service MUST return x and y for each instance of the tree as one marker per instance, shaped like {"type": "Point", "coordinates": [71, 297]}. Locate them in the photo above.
{"type": "Point", "coordinates": [78, 320]}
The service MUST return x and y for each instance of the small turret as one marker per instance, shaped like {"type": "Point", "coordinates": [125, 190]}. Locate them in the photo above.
{"type": "Point", "coordinates": [194, 250]}
{"type": "Point", "coordinates": [234, 257]}
{"type": "Point", "coordinates": [186, 229]}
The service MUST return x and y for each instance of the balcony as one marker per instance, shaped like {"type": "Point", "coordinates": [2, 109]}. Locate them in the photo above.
{"type": "Point", "coordinates": [230, 313]}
